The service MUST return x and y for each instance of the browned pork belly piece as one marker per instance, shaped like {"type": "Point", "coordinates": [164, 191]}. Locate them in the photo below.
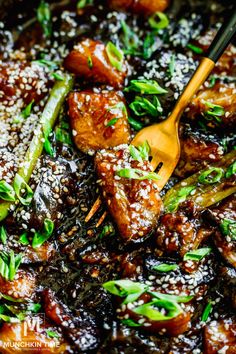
{"type": "Point", "coordinates": [22, 287]}
{"type": "Point", "coordinates": [80, 329]}
{"type": "Point", "coordinates": [134, 204]}
{"type": "Point", "coordinates": [143, 7]}
{"type": "Point", "coordinates": [23, 80]}
{"type": "Point", "coordinates": [178, 234]}
{"type": "Point", "coordinates": [40, 254]}
{"type": "Point", "coordinates": [223, 95]}
{"type": "Point", "coordinates": [90, 61]}
{"type": "Point", "coordinates": [220, 337]}
{"type": "Point", "coordinates": [225, 238]}
{"type": "Point", "coordinates": [98, 120]}
{"type": "Point", "coordinates": [196, 153]}
{"type": "Point", "coordinates": [26, 337]}
{"type": "Point", "coordinates": [226, 64]}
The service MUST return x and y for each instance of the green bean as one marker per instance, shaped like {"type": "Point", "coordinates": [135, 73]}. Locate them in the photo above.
{"type": "Point", "coordinates": [203, 195]}
{"type": "Point", "coordinates": [47, 121]}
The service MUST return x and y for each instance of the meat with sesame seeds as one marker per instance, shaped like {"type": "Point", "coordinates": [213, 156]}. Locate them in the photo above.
{"type": "Point", "coordinates": [144, 7]}
{"type": "Point", "coordinates": [99, 120]}
{"type": "Point", "coordinates": [219, 337]}
{"type": "Point", "coordinates": [135, 205]}
{"type": "Point", "coordinates": [90, 61]}
{"type": "Point", "coordinates": [22, 287]}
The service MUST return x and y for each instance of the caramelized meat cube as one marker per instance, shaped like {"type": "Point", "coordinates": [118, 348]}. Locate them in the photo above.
{"type": "Point", "coordinates": [33, 339]}
{"type": "Point", "coordinates": [40, 254]}
{"type": "Point", "coordinates": [21, 287]}
{"type": "Point", "coordinates": [223, 95]}
{"type": "Point", "coordinates": [90, 61]}
{"type": "Point", "coordinates": [176, 234]}
{"type": "Point", "coordinates": [134, 204]}
{"type": "Point", "coordinates": [145, 7]}
{"type": "Point", "coordinates": [98, 120]}
{"type": "Point", "coordinates": [220, 337]}
{"type": "Point", "coordinates": [196, 153]}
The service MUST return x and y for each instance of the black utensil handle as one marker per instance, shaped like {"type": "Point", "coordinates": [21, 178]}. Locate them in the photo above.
{"type": "Point", "coordinates": [222, 38]}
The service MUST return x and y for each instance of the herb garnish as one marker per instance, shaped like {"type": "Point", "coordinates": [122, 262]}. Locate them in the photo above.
{"type": "Point", "coordinates": [9, 264]}
{"type": "Point", "coordinates": [141, 153]}
{"type": "Point", "coordinates": [197, 255]}
{"type": "Point", "coordinates": [211, 176]}
{"type": "Point", "coordinates": [179, 197]}
{"type": "Point", "coordinates": [144, 86]}
{"type": "Point", "coordinates": [130, 39]}
{"type": "Point", "coordinates": [44, 18]}
{"type": "Point", "coordinates": [206, 312]}
{"type": "Point", "coordinates": [195, 48]}
{"type": "Point", "coordinates": [115, 56]}
{"type": "Point", "coordinates": [48, 63]}
{"type": "Point", "coordinates": [163, 268]}
{"type": "Point", "coordinates": [24, 239]}
{"type": "Point", "coordinates": [27, 110]}
{"type": "Point", "coordinates": [128, 289]}
{"type": "Point", "coordinates": [83, 3]}
{"type": "Point", "coordinates": [215, 112]}
{"type": "Point", "coordinates": [51, 334]}
{"type": "Point", "coordinates": [20, 186]}
{"type": "Point", "coordinates": [7, 192]}
{"type": "Point", "coordinates": [172, 65]}
{"type": "Point", "coordinates": [40, 237]}
{"type": "Point", "coordinates": [231, 170]}
{"type": "Point", "coordinates": [134, 123]}
{"type": "Point", "coordinates": [143, 106]}
{"type": "Point", "coordinates": [134, 173]}
{"type": "Point", "coordinates": [228, 228]}
{"type": "Point", "coordinates": [158, 20]}
{"type": "Point", "coordinates": [3, 235]}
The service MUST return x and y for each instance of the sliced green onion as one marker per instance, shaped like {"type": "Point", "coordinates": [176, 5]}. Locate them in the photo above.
{"type": "Point", "coordinates": [150, 45]}
{"type": "Point", "coordinates": [107, 230]}
{"type": "Point", "coordinates": [142, 106]}
{"type": "Point", "coordinates": [24, 239]}
{"type": "Point", "coordinates": [197, 255]}
{"type": "Point", "coordinates": [3, 235]}
{"type": "Point", "coordinates": [195, 48]}
{"type": "Point", "coordinates": [212, 81]}
{"type": "Point", "coordinates": [213, 175]}
{"type": "Point", "coordinates": [50, 64]}
{"type": "Point", "coordinates": [90, 63]}
{"type": "Point", "coordinates": [83, 3]}
{"type": "Point", "coordinates": [7, 192]}
{"type": "Point", "coordinates": [9, 264]}
{"type": "Point", "coordinates": [231, 170]}
{"type": "Point", "coordinates": [228, 228]}
{"type": "Point", "coordinates": [112, 122]}
{"type": "Point", "coordinates": [27, 110]}
{"type": "Point", "coordinates": [57, 76]}
{"type": "Point", "coordinates": [134, 123]}
{"type": "Point", "coordinates": [131, 323]}
{"type": "Point", "coordinates": [150, 310]}
{"type": "Point", "coordinates": [125, 288]}
{"type": "Point", "coordinates": [215, 112]}
{"type": "Point", "coordinates": [51, 334]}
{"type": "Point", "coordinates": [130, 39]}
{"type": "Point", "coordinates": [40, 237]}
{"type": "Point", "coordinates": [115, 55]}
{"type": "Point", "coordinates": [172, 298]}
{"type": "Point", "coordinates": [206, 312]}
{"type": "Point", "coordinates": [19, 184]}
{"type": "Point", "coordinates": [164, 268]}
{"type": "Point", "coordinates": [134, 173]}
{"type": "Point", "coordinates": [172, 65]}
{"type": "Point", "coordinates": [144, 86]}
{"type": "Point", "coordinates": [158, 20]}
{"type": "Point", "coordinates": [63, 136]}
{"type": "Point", "coordinates": [178, 198]}
{"type": "Point", "coordinates": [44, 17]}
{"type": "Point", "coordinates": [141, 153]}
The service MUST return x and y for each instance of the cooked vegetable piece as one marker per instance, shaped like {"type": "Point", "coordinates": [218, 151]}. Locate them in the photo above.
{"type": "Point", "coordinates": [102, 69]}
{"type": "Point", "coordinates": [203, 195]}
{"type": "Point", "coordinates": [49, 116]}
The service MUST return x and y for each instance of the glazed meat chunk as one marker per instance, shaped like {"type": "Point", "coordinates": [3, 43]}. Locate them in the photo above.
{"type": "Point", "coordinates": [220, 99]}
{"type": "Point", "coordinates": [22, 287]}
{"type": "Point", "coordinates": [134, 203]}
{"type": "Point", "coordinates": [220, 337]}
{"type": "Point", "coordinates": [90, 60]}
{"type": "Point", "coordinates": [98, 120]}
{"type": "Point", "coordinates": [145, 7]}
{"type": "Point", "coordinates": [197, 151]}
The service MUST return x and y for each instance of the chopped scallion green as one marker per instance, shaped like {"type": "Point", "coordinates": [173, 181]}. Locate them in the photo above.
{"type": "Point", "coordinates": [197, 255]}
{"type": "Point", "coordinates": [115, 56]}
{"type": "Point", "coordinates": [158, 20]}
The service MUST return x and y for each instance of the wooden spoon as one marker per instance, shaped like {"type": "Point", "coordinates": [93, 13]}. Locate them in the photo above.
{"type": "Point", "coordinates": [163, 138]}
